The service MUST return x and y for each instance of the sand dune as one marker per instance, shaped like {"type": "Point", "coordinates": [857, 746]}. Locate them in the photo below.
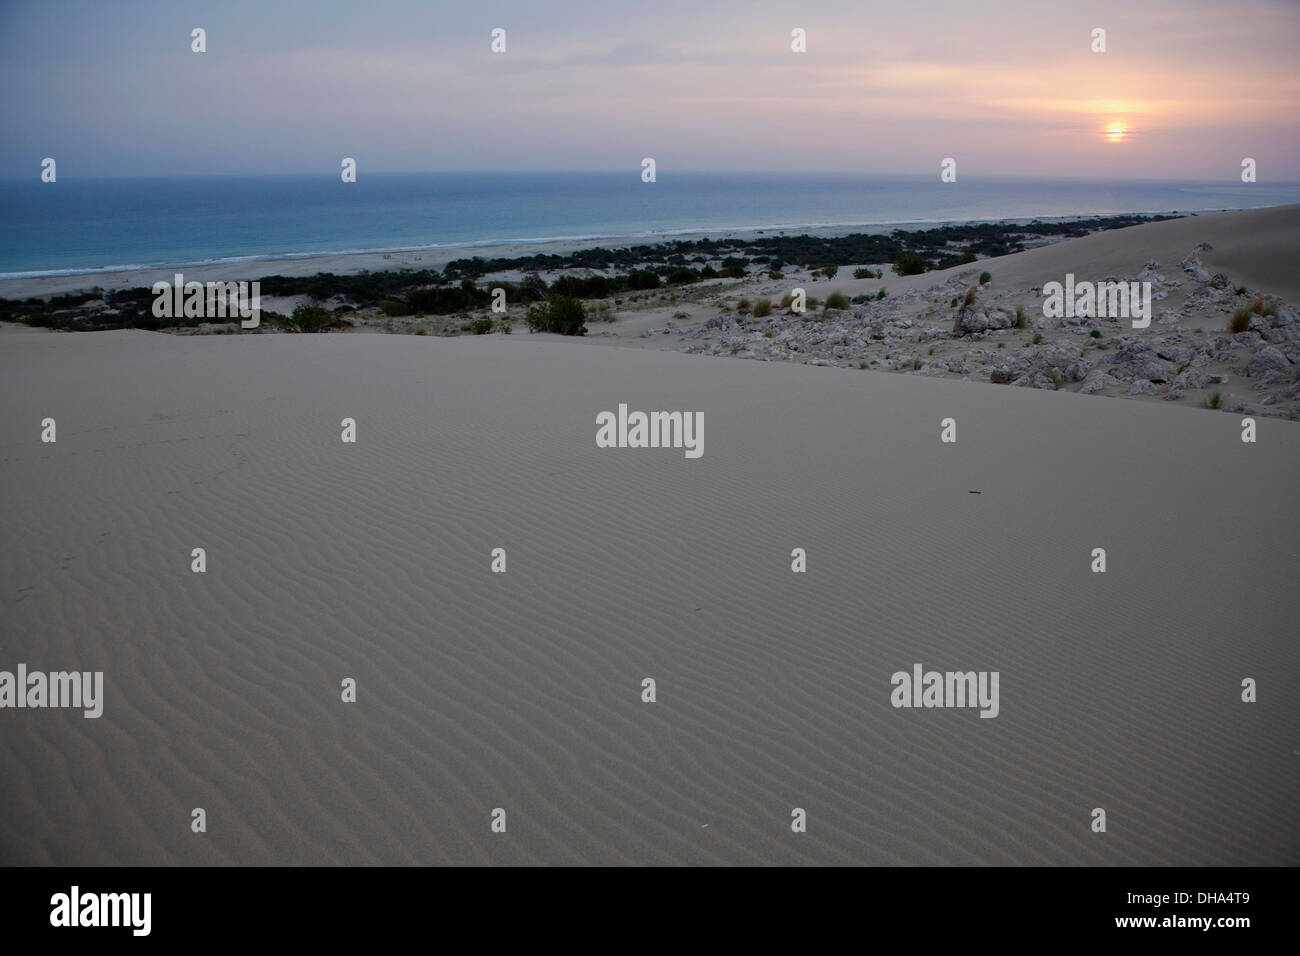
{"type": "Point", "coordinates": [522, 690]}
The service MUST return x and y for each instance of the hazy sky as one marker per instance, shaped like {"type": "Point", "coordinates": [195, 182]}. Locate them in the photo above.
{"type": "Point", "coordinates": [1004, 87]}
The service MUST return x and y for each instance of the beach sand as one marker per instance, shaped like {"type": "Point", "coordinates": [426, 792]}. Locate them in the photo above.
{"type": "Point", "coordinates": [522, 690]}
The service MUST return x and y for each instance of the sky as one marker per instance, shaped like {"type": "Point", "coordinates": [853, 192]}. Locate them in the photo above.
{"type": "Point", "coordinates": [1185, 90]}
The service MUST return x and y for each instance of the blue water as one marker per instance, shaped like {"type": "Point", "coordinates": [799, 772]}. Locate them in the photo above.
{"type": "Point", "coordinates": [84, 225]}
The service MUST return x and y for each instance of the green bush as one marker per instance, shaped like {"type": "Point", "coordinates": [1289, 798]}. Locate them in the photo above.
{"type": "Point", "coordinates": [910, 264]}
{"type": "Point", "coordinates": [829, 271]}
{"type": "Point", "coordinates": [837, 300]}
{"type": "Point", "coordinates": [643, 279]}
{"type": "Point", "coordinates": [864, 273]}
{"type": "Point", "coordinates": [310, 318]}
{"type": "Point", "coordinates": [985, 278]}
{"type": "Point", "coordinates": [561, 315]}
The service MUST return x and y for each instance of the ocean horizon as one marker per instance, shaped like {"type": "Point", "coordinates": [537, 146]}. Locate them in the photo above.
{"type": "Point", "coordinates": [87, 225]}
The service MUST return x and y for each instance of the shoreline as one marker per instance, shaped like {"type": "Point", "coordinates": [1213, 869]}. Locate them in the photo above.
{"type": "Point", "coordinates": [57, 282]}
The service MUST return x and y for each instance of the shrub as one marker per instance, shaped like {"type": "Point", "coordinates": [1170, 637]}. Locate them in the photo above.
{"type": "Point", "coordinates": [734, 272]}
{"type": "Point", "coordinates": [910, 264]}
{"type": "Point", "coordinates": [1240, 320]}
{"type": "Point", "coordinates": [1038, 338]}
{"type": "Point", "coordinates": [310, 318]}
{"type": "Point", "coordinates": [837, 300]}
{"type": "Point", "coordinates": [829, 271]}
{"type": "Point", "coordinates": [1095, 333]}
{"type": "Point", "coordinates": [1020, 317]}
{"type": "Point", "coordinates": [985, 278]}
{"type": "Point", "coordinates": [744, 305]}
{"type": "Point", "coordinates": [1215, 400]}
{"type": "Point", "coordinates": [762, 308]}
{"type": "Point", "coordinates": [481, 326]}
{"type": "Point", "coordinates": [953, 303]}
{"type": "Point", "coordinates": [775, 275]}
{"type": "Point", "coordinates": [880, 294]}
{"type": "Point", "coordinates": [864, 273]}
{"type": "Point", "coordinates": [643, 279]}
{"type": "Point", "coordinates": [561, 314]}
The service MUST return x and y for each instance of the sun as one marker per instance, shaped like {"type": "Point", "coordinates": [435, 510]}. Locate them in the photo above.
{"type": "Point", "coordinates": [1116, 133]}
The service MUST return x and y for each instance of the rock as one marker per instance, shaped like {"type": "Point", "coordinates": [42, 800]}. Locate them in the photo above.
{"type": "Point", "coordinates": [1192, 266]}
{"type": "Point", "coordinates": [1001, 376]}
{"type": "Point", "coordinates": [1096, 382]}
{"type": "Point", "coordinates": [1191, 379]}
{"type": "Point", "coordinates": [1269, 359]}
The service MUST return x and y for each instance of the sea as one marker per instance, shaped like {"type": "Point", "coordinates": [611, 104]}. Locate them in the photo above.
{"type": "Point", "coordinates": [86, 225]}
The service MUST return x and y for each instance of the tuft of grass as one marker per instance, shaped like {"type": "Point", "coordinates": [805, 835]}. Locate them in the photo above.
{"type": "Point", "coordinates": [743, 306]}
{"type": "Point", "coordinates": [1021, 322]}
{"type": "Point", "coordinates": [862, 365]}
{"type": "Point", "coordinates": [1095, 333]}
{"type": "Point", "coordinates": [1215, 400]}
{"type": "Point", "coordinates": [1038, 338]}
{"type": "Point", "coordinates": [1002, 345]}
{"type": "Point", "coordinates": [1056, 377]}
{"type": "Point", "coordinates": [1240, 320]}
{"type": "Point", "coordinates": [864, 273]}
{"type": "Point", "coordinates": [953, 303]}
{"type": "Point", "coordinates": [969, 299]}
{"type": "Point", "coordinates": [880, 294]}
{"type": "Point", "coordinates": [762, 307]}
{"type": "Point", "coordinates": [916, 364]}
{"type": "Point", "coordinates": [931, 349]}
{"type": "Point", "coordinates": [837, 300]}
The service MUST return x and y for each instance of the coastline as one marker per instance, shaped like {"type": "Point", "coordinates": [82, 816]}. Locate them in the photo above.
{"type": "Point", "coordinates": [20, 286]}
